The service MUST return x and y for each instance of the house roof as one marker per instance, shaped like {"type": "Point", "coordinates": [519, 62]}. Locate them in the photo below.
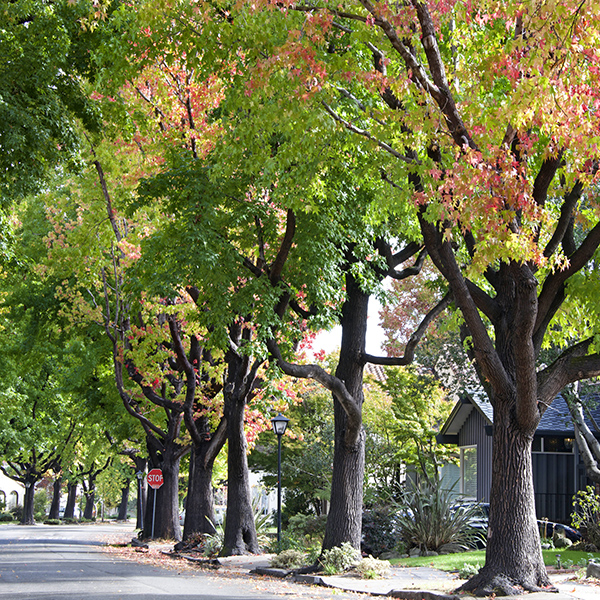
{"type": "Point", "coordinates": [555, 421]}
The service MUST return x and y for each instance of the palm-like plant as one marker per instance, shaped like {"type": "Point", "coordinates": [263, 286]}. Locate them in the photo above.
{"type": "Point", "coordinates": [429, 518]}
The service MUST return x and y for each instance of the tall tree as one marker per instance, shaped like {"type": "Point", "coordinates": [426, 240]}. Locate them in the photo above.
{"type": "Point", "coordinates": [46, 50]}
{"type": "Point", "coordinates": [38, 427]}
{"type": "Point", "coordinates": [498, 155]}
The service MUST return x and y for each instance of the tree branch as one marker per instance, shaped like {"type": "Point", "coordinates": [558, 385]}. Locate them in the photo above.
{"type": "Point", "coordinates": [554, 283]}
{"type": "Point", "coordinates": [415, 338]}
{"type": "Point", "coordinates": [333, 384]}
{"type": "Point", "coordinates": [442, 255]}
{"type": "Point", "coordinates": [574, 364]}
{"type": "Point", "coordinates": [586, 442]}
{"type": "Point", "coordinates": [366, 134]}
{"type": "Point", "coordinates": [284, 249]}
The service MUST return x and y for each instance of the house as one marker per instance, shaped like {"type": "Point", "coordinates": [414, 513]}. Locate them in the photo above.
{"type": "Point", "coordinates": [11, 492]}
{"type": "Point", "coordinates": [558, 471]}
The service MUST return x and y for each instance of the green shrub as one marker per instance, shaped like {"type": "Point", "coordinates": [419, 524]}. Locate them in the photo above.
{"type": "Point", "coordinates": [372, 568]}
{"type": "Point", "coordinates": [312, 526]}
{"type": "Point", "coordinates": [378, 531]}
{"type": "Point", "coordinates": [429, 519]}
{"type": "Point", "coordinates": [586, 514]}
{"type": "Point", "coordinates": [6, 516]}
{"type": "Point", "coordinates": [339, 558]}
{"type": "Point", "coordinates": [467, 571]}
{"type": "Point", "coordinates": [304, 533]}
{"type": "Point", "coordinates": [17, 512]}
{"type": "Point", "coordinates": [40, 502]}
{"type": "Point", "coordinates": [213, 542]}
{"type": "Point", "coordinates": [52, 522]}
{"type": "Point", "coordinates": [289, 559]}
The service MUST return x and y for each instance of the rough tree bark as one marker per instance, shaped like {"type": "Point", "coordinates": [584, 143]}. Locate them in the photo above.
{"type": "Point", "coordinates": [344, 520]}
{"type": "Point", "coordinates": [56, 494]}
{"type": "Point", "coordinates": [240, 530]}
{"type": "Point", "coordinates": [28, 517]}
{"type": "Point", "coordinates": [122, 514]}
{"type": "Point", "coordinates": [515, 557]}
{"type": "Point", "coordinates": [71, 500]}
{"type": "Point", "coordinates": [206, 444]}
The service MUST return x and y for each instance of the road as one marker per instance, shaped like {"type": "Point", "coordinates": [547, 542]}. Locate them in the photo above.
{"type": "Point", "coordinates": [70, 562]}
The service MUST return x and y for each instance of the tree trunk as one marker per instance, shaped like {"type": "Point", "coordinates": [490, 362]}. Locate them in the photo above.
{"type": "Point", "coordinates": [240, 530]}
{"type": "Point", "coordinates": [161, 515]}
{"type": "Point", "coordinates": [199, 506]}
{"type": "Point", "coordinates": [56, 494]}
{"type": "Point", "coordinates": [122, 515]}
{"type": "Point", "coordinates": [513, 554]}
{"type": "Point", "coordinates": [344, 520]}
{"type": "Point", "coordinates": [27, 518]}
{"type": "Point", "coordinates": [71, 501]}
{"type": "Point", "coordinates": [90, 497]}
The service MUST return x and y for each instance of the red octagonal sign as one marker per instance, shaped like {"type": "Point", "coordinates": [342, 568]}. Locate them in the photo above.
{"type": "Point", "coordinates": [155, 478]}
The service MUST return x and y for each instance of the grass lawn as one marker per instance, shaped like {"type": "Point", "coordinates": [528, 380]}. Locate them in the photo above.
{"type": "Point", "coordinates": [454, 562]}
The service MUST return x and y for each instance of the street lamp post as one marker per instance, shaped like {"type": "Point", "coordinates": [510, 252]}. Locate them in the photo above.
{"type": "Point", "coordinates": [140, 502]}
{"type": "Point", "coordinates": [279, 426]}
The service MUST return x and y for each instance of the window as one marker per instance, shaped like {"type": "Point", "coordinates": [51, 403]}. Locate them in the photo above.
{"type": "Point", "coordinates": [552, 444]}
{"type": "Point", "coordinates": [468, 472]}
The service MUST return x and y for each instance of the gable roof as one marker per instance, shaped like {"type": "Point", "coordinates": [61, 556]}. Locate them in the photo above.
{"type": "Point", "coordinates": [555, 421]}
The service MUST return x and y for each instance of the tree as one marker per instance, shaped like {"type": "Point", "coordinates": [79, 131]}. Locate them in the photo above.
{"type": "Point", "coordinates": [42, 84]}
{"type": "Point", "coordinates": [307, 453]}
{"type": "Point", "coordinates": [441, 351]}
{"type": "Point", "coordinates": [580, 404]}
{"type": "Point", "coordinates": [38, 427]}
{"type": "Point", "coordinates": [419, 406]}
{"type": "Point", "coordinates": [501, 174]}
{"type": "Point", "coordinates": [346, 385]}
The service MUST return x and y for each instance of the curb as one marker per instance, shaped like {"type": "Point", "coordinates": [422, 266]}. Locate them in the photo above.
{"type": "Point", "coordinates": [318, 580]}
{"type": "Point", "coordinates": [421, 595]}
{"type": "Point", "coordinates": [271, 572]}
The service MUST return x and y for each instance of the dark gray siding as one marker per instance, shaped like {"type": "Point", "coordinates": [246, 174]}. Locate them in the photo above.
{"type": "Point", "coordinates": [554, 481]}
{"type": "Point", "coordinates": [473, 433]}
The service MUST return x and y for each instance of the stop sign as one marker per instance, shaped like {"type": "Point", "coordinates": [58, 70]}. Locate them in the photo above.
{"type": "Point", "coordinates": [155, 478]}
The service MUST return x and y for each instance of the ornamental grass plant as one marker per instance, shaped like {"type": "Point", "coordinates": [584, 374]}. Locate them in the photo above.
{"type": "Point", "coordinates": [429, 518]}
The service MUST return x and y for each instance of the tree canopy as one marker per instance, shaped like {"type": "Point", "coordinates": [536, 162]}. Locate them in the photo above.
{"type": "Point", "coordinates": [274, 156]}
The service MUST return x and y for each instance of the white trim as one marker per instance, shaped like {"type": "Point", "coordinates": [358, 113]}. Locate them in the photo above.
{"type": "Point", "coordinates": [462, 471]}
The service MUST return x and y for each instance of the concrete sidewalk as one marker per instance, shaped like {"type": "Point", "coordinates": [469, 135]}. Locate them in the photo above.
{"type": "Point", "coordinates": [410, 583]}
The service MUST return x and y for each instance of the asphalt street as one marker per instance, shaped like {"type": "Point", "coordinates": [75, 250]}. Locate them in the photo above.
{"type": "Point", "coordinates": [67, 562]}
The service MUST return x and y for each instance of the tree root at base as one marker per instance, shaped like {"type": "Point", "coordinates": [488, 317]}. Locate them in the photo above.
{"type": "Point", "coordinates": [484, 584]}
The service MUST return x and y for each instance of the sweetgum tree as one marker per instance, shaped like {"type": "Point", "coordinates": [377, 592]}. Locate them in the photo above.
{"type": "Point", "coordinates": [289, 235]}
{"type": "Point", "coordinates": [485, 118]}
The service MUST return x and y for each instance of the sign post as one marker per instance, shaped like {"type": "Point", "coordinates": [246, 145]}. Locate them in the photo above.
{"type": "Point", "coordinates": [155, 480]}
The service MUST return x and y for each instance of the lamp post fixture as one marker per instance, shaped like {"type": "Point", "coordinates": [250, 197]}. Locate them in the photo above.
{"type": "Point", "coordinates": [279, 426]}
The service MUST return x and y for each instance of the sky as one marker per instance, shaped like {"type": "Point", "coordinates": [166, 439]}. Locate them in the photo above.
{"type": "Point", "coordinates": [331, 340]}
